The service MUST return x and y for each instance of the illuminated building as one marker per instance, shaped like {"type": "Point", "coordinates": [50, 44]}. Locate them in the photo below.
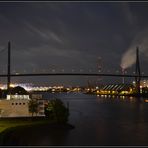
{"type": "Point", "coordinates": [116, 89]}
{"type": "Point", "coordinates": [143, 83]}
{"type": "Point", "coordinates": [16, 103]}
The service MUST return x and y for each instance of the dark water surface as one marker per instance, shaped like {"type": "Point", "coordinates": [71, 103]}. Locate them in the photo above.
{"type": "Point", "coordinates": [98, 121]}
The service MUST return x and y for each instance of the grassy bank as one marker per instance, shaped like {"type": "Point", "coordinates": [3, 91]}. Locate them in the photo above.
{"type": "Point", "coordinates": [31, 131]}
{"type": "Point", "coordinates": [6, 123]}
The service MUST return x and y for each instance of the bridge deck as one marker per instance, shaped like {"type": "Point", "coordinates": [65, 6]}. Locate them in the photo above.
{"type": "Point", "coordinates": [72, 74]}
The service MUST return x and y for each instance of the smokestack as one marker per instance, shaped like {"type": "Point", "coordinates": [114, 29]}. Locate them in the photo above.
{"type": "Point", "coordinates": [137, 62]}
{"type": "Point", "coordinates": [123, 78]}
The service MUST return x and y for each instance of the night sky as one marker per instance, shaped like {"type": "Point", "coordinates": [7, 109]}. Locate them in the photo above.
{"type": "Point", "coordinates": [72, 36]}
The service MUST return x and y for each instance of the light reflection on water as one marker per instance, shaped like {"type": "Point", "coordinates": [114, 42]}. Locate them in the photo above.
{"type": "Point", "coordinates": [101, 121]}
{"type": "Point", "coordinates": [107, 120]}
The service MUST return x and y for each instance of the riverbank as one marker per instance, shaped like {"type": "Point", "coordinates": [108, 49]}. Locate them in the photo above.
{"type": "Point", "coordinates": [20, 121]}
{"type": "Point", "coordinates": [14, 131]}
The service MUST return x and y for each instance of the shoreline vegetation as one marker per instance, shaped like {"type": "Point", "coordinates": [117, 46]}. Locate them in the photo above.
{"type": "Point", "coordinates": [14, 130]}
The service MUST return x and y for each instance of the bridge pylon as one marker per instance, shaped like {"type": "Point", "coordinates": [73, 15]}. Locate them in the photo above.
{"type": "Point", "coordinates": [9, 67]}
{"type": "Point", "coordinates": [138, 72]}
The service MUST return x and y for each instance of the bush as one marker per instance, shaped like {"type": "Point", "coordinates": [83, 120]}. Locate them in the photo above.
{"type": "Point", "coordinates": [56, 111]}
{"type": "Point", "coordinates": [33, 106]}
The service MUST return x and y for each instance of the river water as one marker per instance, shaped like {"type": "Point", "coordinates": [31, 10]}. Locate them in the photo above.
{"type": "Point", "coordinates": [98, 121]}
{"type": "Point", "coordinates": [104, 121]}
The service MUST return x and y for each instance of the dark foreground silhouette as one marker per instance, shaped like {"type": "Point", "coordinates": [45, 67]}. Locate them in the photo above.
{"type": "Point", "coordinates": [45, 134]}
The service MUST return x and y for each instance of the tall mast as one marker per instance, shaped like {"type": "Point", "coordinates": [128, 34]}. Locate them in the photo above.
{"type": "Point", "coordinates": [9, 64]}
{"type": "Point", "coordinates": [138, 73]}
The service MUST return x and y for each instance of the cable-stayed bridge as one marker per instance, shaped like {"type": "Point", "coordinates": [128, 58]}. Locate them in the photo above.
{"type": "Point", "coordinates": [73, 74]}
{"type": "Point", "coordinates": [137, 74]}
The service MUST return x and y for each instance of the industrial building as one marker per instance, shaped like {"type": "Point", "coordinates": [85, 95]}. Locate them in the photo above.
{"type": "Point", "coordinates": [116, 89]}
{"type": "Point", "coordinates": [16, 104]}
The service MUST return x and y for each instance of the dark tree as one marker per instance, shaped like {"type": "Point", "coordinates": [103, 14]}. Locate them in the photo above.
{"type": "Point", "coordinates": [33, 106]}
{"type": "Point", "coordinates": [56, 111]}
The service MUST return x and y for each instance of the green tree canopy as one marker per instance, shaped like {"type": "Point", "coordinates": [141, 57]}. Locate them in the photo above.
{"type": "Point", "coordinates": [33, 106]}
{"type": "Point", "coordinates": [56, 111]}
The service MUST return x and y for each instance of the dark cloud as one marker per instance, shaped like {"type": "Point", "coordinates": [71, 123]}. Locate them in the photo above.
{"type": "Point", "coordinates": [48, 35]}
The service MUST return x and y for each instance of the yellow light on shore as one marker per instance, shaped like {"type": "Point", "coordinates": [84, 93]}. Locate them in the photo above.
{"type": "Point", "coordinates": [12, 85]}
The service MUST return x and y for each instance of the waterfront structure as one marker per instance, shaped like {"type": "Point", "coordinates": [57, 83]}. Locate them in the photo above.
{"type": "Point", "coordinates": [144, 83]}
{"type": "Point", "coordinates": [14, 108]}
{"type": "Point", "coordinates": [116, 89]}
{"type": "Point", "coordinates": [16, 104]}
{"type": "Point", "coordinates": [41, 103]}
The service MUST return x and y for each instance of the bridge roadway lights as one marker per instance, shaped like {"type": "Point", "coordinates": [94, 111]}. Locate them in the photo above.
{"type": "Point", "coordinates": [72, 74]}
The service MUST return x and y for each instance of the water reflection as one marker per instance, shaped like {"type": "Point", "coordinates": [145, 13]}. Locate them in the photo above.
{"type": "Point", "coordinates": [98, 120]}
